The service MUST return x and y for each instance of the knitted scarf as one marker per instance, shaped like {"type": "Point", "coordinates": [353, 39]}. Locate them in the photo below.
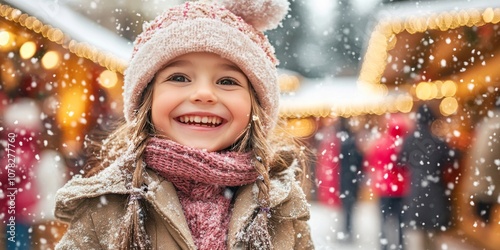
{"type": "Point", "coordinates": [201, 179]}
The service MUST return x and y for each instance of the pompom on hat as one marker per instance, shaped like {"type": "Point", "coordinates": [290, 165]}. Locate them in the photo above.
{"type": "Point", "coordinates": [231, 29]}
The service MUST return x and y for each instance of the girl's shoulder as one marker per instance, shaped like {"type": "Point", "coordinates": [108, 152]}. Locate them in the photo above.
{"type": "Point", "coordinates": [80, 189]}
{"type": "Point", "coordinates": [287, 196]}
{"type": "Point", "coordinates": [93, 222]}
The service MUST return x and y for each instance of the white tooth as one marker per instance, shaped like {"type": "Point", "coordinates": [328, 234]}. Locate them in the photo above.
{"type": "Point", "coordinates": [191, 119]}
{"type": "Point", "coordinates": [197, 119]}
{"type": "Point", "coordinates": [204, 119]}
{"type": "Point", "coordinates": [218, 120]}
{"type": "Point", "coordinates": [209, 119]}
{"type": "Point", "coordinates": [181, 118]}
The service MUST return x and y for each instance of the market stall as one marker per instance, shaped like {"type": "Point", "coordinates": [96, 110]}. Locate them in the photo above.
{"type": "Point", "coordinates": [445, 54]}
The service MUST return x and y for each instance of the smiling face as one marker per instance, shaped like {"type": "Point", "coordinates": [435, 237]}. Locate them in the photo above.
{"type": "Point", "coordinates": [201, 100]}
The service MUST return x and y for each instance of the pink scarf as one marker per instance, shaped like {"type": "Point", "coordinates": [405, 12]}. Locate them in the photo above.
{"type": "Point", "coordinates": [201, 178]}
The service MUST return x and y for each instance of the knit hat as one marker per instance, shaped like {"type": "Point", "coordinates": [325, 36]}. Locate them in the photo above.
{"type": "Point", "coordinates": [231, 29]}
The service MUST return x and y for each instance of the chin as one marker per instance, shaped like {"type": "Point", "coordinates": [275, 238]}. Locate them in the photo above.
{"type": "Point", "coordinates": [203, 146]}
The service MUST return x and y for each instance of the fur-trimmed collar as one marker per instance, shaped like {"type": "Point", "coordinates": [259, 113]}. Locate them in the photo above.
{"type": "Point", "coordinates": [112, 180]}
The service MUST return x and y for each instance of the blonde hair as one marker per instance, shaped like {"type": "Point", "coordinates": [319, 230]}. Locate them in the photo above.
{"type": "Point", "coordinates": [271, 156]}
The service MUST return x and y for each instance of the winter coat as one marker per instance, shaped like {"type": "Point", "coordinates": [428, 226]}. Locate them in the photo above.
{"type": "Point", "coordinates": [350, 169]}
{"type": "Point", "coordinates": [428, 206]}
{"type": "Point", "coordinates": [95, 207]}
{"type": "Point", "coordinates": [328, 169]}
{"type": "Point", "coordinates": [483, 181]}
{"type": "Point", "coordinates": [389, 178]}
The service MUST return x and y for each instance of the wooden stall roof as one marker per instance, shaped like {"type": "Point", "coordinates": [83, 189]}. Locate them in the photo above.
{"type": "Point", "coordinates": [114, 61]}
{"type": "Point", "coordinates": [446, 49]}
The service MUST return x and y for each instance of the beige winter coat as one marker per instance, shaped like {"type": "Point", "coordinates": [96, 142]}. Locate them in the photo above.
{"type": "Point", "coordinates": [95, 207]}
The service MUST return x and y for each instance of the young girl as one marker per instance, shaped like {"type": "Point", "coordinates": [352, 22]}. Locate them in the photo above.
{"type": "Point", "coordinates": [196, 165]}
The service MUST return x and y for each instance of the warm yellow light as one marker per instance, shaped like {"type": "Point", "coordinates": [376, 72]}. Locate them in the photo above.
{"type": "Point", "coordinates": [448, 106]}
{"type": "Point", "coordinates": [434, 91]}
{"type": "Point", "coordinates": [108, 79]}
{"type": "Point", "coordinates": [288, 83]}
{"type": "Point", "coordinates": [448, 20]}
{"type": "Point", "coordinates": [382, 89]}
{"type": "Point", "coordinates": [7, 39]}
{"type": "Point", "coordinates": [50, 60]}
{"type": "Point", "coordinates": [424, 91]}
{"type": "Point", "coordinates": [10, 79]}
{"type": "Point", "coordinates": [488, 15]}
{"type": "Point", "coordinates": [448, 88]}
{"type": "Point", "coordinates": [301, 127]}
{"type": "Point", "coordinates": [4, 38]}
{"type": "Point", "coordinates": [73, 103]}
{"type": "Point", "coordinates": [404, 103]}
{"type": "Point", "coordinates": [437, 86]}
{"type": "Point", "coordinates": [27, 50]}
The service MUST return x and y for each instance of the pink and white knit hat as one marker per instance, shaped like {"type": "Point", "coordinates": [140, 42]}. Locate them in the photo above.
{"type": "Point", "coordinates": [231, 29]}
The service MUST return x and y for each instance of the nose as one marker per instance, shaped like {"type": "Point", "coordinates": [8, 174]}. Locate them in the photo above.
{"type": "Point", "coordinates": [204, 92]}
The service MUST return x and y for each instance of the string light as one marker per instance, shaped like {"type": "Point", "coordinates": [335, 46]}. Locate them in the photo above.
{"type": "Point", "coordinates": [55, 35]}
{"type": "Point", "coordinates": [449, 88]}
{"type": "Point", "coordinates": [288, 83]}
{"type": "Point", "coordinates": [384, 37]}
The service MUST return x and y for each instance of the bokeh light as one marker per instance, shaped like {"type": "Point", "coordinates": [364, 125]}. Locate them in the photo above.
{"type": "Point", "coordinates": [108, 79]}
{"type": "Point", "coordinates": [448, 106]}
{"type": "Point", "coordinates": [27, 50]}
{"type": "Point", "coordinates": [50, 60]}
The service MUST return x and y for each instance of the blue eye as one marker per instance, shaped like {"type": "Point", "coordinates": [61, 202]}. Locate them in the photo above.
{"type": "Point", "coordinates": [178, 78]}
{"type": "Point", "coordinates": [227, 81]}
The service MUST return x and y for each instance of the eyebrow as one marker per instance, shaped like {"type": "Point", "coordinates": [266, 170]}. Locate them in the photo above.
{"type": "Point", "coordinates": [225, 66]}
{"type": "Point", "coordinates": [177, 63]}
{"type": "Point", "coordinates": [231, 67]}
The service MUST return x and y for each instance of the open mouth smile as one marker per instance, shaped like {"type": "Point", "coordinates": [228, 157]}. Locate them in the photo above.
{"type": "Point", "coordinates": [202, 121]}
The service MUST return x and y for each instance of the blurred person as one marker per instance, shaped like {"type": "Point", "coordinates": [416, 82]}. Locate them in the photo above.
{"type": "Point", "coordinates": [20, 157]}
{"type": "Point", "coordinates": [390, 181]}
{"type": "Point", "coordinates": [427, 207]}
{"type": "Point", "coordinates": [482, 177]}
{"type": "Point", "coordinates": [46, 231]}
{"type": "Point", "coordinates": [327, 164]}
{"type": "Point", "coordinates": [351, 161]}
{"type": "Point", "coordinates": [338, 171]}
